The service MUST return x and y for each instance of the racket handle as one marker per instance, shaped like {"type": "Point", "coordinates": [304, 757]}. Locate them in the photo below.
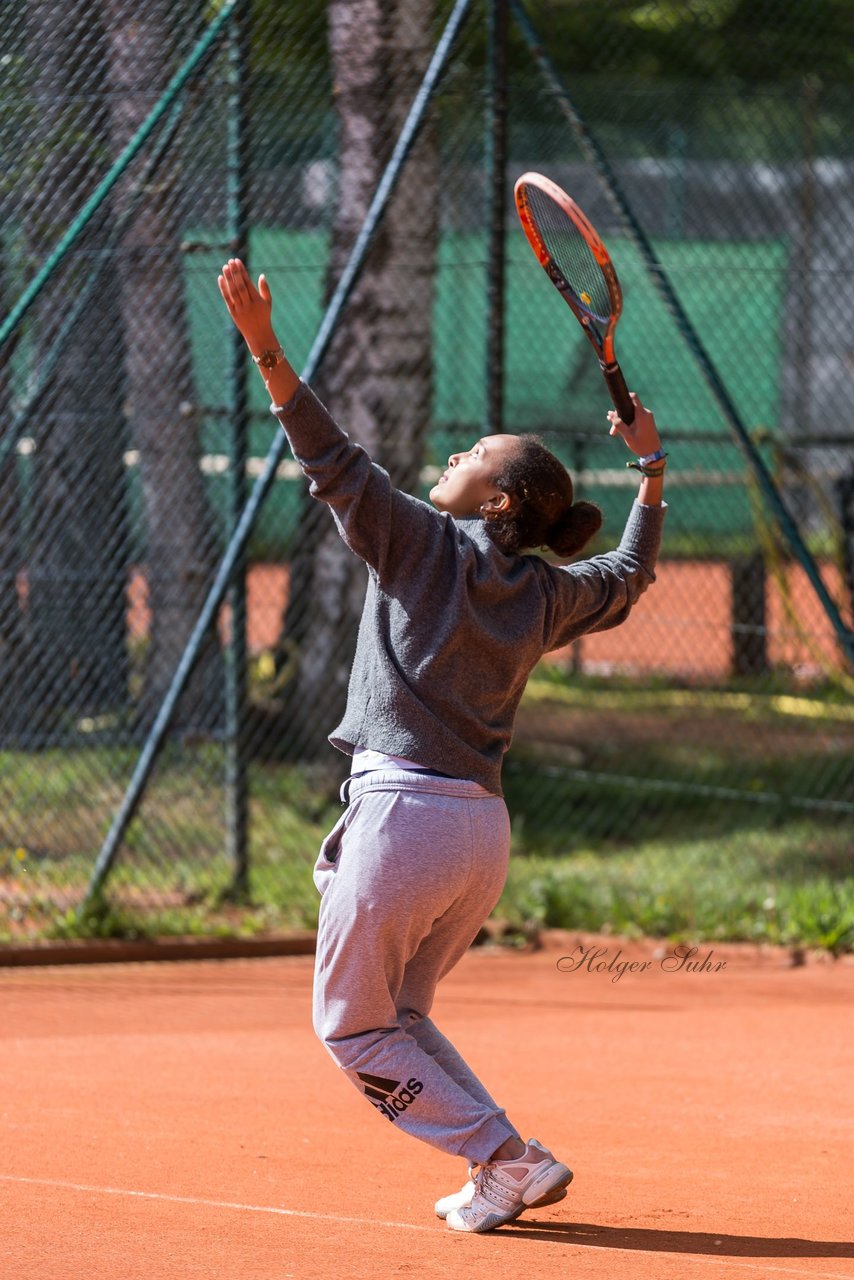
{"type": "Point", "coordinates": [618, 391]}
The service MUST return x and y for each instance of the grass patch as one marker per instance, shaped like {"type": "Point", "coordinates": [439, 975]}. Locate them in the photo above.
{"type": "Point", "coordinates": [792, 888]}
{"type": "Point", "coordinates": [752, 889]}
{"type": "Point", "coordinates": [600, 764]}
{"type": "Point", "coordinates": [681, 813]}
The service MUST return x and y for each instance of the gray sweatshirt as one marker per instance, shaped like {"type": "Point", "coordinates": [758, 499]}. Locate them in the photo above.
{"type": "Point", "coordinates": [451, 626]}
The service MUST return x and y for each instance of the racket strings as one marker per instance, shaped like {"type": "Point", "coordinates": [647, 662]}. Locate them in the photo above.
{"type": "Point", "coordinates": [570, 253]}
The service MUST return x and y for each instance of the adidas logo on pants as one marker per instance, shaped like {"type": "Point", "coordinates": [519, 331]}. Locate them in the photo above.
{"type": "Point", "coordinates": [387, 1095]}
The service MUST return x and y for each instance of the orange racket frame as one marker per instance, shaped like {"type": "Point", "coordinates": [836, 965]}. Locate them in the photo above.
{"type": "Point", "coordinates": [599, 329]}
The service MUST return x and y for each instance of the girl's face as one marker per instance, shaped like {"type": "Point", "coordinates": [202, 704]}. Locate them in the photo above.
{"type": "Point", "coordinates": [467, 488]}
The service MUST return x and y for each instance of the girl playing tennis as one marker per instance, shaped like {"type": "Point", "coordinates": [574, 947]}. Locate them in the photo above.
{"type": "Point", "coordinates": [455, 618]}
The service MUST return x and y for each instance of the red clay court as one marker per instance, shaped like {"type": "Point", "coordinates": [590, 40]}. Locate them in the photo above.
{"type": "Point", "coordinates": [171, 1121]}
{"type": "Point", "coordinates": [686, 634]}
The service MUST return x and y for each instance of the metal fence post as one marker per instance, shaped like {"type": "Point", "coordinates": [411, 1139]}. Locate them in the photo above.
{"type": "Point", "coordinates": [236, 692]}
{"type": "Point", "coordinates": [496, 171]}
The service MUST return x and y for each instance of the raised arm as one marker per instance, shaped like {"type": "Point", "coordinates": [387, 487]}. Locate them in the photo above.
{"type": "Point", "coordinates": [641, 436]}
{"type": "Point", "coordinates": [383, 526]}
{"type": "Point", "coordinates": [251, 309]}
{"type": "Point", "coordinates": [599, 593]}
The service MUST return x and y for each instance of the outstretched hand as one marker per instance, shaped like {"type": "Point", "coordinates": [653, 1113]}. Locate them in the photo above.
{"type": "Point", "coordinates": [249, 306]}
{"type": "Point", "coordinates": [641, 436]}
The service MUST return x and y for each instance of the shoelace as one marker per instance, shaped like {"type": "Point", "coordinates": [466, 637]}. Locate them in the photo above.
{"type": "Point", "coordinates": [487, 1184]}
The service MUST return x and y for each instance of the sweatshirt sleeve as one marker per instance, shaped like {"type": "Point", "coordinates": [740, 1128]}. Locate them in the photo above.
{"type": "Point", "coordinates": [600, 593]}
{"type": "Point", "coordinates": [373, 517]}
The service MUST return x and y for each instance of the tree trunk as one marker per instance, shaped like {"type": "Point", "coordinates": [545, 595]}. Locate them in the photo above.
{"type": "Point", "coordinates": [76, 639]}
{"type": "Point", "coordinates": [377, 375]}
{"type": "Point", "coordinates": [160, 400]}
{"type": "Point", "coordinates": [11, 633]}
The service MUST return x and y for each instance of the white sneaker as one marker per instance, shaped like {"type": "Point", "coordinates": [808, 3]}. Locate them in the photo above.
{"type": "Point", "coordinates": [460, 1199]}
{"type": "Point", "coordinates": [503, 1189]}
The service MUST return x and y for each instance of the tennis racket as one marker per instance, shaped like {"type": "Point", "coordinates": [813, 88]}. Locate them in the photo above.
{"type": "Point", "coordinates": [580, 267]}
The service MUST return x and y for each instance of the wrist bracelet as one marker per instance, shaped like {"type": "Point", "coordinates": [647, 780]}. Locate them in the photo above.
{"type": "Point", "coordinates": [652, 457]}
{"type": "Point", "coordinates": [651, 471]}
{"type": "Point", "coordinates": [269, 359]}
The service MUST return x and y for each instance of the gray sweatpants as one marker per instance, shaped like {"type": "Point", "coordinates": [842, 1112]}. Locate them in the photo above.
{"type": "Point", "coordinates": [408, 875]}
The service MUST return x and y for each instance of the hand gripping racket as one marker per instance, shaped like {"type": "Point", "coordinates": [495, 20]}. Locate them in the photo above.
{"type": "Point", "coordinates": [579, 266]}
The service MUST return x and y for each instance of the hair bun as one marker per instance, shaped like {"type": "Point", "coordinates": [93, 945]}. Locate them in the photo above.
{"type": "Point", "coordinates": [571, 533]}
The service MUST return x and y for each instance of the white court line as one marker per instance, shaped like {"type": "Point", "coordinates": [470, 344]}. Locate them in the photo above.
{"type": "Point", "coordinates": [215, 1204]}
{"type": "Point", "coordinates": [401, 1226]}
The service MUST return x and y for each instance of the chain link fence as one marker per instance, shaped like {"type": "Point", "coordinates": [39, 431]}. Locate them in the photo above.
{"type": "Point", "coordinates": [145, 144]}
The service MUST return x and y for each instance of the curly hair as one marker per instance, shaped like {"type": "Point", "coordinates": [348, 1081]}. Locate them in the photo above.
{"type": "Point", "coordinates": [542, 512]}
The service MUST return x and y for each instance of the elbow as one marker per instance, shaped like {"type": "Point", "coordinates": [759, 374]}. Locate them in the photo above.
{"type": "Point", "coordinates": [636, 586]}
{"type": "Point", "coordinates": [641, 582]}
{"type": "Point", "coordinates": [623, 601]}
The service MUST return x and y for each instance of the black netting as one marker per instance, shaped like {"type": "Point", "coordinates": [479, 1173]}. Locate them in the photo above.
{"type": "Point", "coordinates": [143, 145]}
{"type": "Point", "coordinates": [570, 252]}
